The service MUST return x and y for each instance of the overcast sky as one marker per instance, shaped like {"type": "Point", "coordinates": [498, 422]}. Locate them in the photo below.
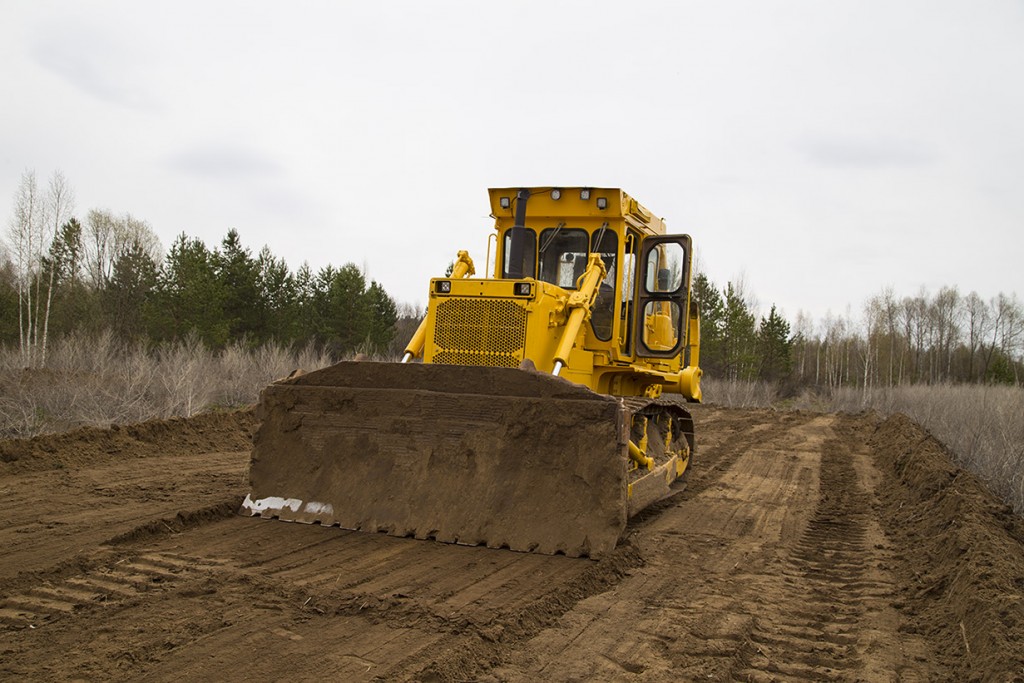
{"type": "Point", "coordinates": [821, 151]}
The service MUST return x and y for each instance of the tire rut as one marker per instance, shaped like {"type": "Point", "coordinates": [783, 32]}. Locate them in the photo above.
{"type": "Point", "coordinates": [825, 578]}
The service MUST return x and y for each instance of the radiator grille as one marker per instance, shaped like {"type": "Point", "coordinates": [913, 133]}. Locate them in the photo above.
{"type": "Point", "coordinates": [480, 332]}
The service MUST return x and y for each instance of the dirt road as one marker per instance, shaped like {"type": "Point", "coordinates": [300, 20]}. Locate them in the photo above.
{"type": "Point", "coordinates": [803, 547]}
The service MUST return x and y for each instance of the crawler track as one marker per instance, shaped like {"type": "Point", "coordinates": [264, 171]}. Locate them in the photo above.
{"type": "Point", "coordinates": [791, 554]}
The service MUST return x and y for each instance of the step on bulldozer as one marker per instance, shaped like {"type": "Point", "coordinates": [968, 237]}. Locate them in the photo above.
{"type": "Point", "coordinates": [535, 410]}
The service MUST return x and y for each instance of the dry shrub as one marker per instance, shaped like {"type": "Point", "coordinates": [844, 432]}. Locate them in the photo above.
{"type": "Point", "coordinates": [738, 393]}
{"type": "Point", "coordinates": [94, 380]}
{"type": "Point", "coordinates": [189, 378]}
{"type": "Point", "coordinates": [981, 425]}
{"type": "Point", "coordinates": [244, 371]}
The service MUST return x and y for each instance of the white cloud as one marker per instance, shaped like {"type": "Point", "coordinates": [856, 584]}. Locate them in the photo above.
{"type": "Point", "coordinates": [863, 153]}
{"type": "Point", "coordinates": [101, 62]}
{"type": "Point", "coordinates": [219, 160]}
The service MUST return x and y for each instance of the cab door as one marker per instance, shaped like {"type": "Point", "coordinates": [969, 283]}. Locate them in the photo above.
{"type": "Point", "coordinates": [663, 293]}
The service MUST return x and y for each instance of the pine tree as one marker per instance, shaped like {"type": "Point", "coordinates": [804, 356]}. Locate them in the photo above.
{"type": "Point", "coordinates": [383, 317]}
{"type": "Point", "coordinates": [131, 283]}
{"type": "Point", "coordinates": [188, 297]}
{"type": "Point", "coordinates": [74, 305]}
{"type": "Point", "coordinates": [8, 303]}
{"type": "Point", "coordinates": [279, 291]}
{"type": "Point", "coordinates": [712, 315]}
{"type": "Point", "coordinates": [245, 310]}
{"type": "Point", "coordinates": [738, 336]}
{"type": "Point", "coordinates": [347, 319]}
{"type": "Point", "coordinates": [775, 347]}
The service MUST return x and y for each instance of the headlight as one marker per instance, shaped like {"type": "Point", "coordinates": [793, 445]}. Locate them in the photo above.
{"type": "Point", "coordinates": [443, 287]}
{"type": "Point", "coordinates": [522, 289]}
{"type": "Point", "coordinates": [602, 202]}
{"type": "Point", "coordinates": [556, 194]}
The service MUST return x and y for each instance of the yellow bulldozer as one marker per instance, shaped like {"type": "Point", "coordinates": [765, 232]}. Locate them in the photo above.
{"type": "Point", "coordinates": [536, 410]}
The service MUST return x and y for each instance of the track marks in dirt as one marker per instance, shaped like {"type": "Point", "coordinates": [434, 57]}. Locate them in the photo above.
{"type": "Point", "coordinates": [110, 584]}
{"type": "Point", "coordinates": [57, 515]}
{"type": "Point", "coordinates": [771, 564]}
{"type": "Point", "coordinates": [833, 619]}
{"type": "Point", "coordinates": [771, 567]}
{"type": "Point", "coordinates": [227, 594]}
{"type": "Point", "coordinates": [688, 612]}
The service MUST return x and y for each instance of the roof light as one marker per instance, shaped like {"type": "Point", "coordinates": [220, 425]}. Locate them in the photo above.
{"type": "Point", "coordinates": [602, 202]}
{"type": "Point", "coordinates": [556, 194]}
{"type": "Point", "coordinates": [505, 202]}
{"type": "Point", "coordinates": [585, 194]}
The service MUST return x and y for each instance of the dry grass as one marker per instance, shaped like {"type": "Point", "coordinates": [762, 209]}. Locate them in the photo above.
{"type": "Point", "coordinates": [96, 381]}
{"type": "Point", "coordinates": [736, 393]}
{"type": "Point", "coordinates": [982, 426]}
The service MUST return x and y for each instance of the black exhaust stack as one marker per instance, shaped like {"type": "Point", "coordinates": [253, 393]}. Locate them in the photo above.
{"type": "Point", "coordinates": [517, 237]}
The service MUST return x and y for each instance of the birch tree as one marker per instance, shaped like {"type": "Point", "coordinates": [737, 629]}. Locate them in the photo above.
{"type": "Point", "coordinates": [25, 239]}
{"type": "Point", "coordinates": [36, 218]}
{"type": "Point", "coordinates": [58, 207]}
{"type": "Point", "coordinates": [108, 237]}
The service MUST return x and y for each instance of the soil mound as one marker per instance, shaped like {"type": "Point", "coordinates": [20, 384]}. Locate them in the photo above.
{"type": "Point", "coordinates": [962, 550]}
{"type": "Point", "coordinates": [220, 431]}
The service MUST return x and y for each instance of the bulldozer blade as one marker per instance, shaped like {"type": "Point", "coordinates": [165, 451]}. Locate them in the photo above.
{"type": "Point", "coordinates": [500, 457]}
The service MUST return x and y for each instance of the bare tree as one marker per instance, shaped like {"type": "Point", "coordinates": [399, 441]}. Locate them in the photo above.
{"type": "Point", "coordinates": [99, 246]}
{"type": "Point", "coordinates": [803, 333]}
{"type": "Point", "coordinates": [58, 207]}
{"type": "Point", "coordinates": [1008, 327]}
{"type": "Point", "coordinates": [946, 313]}
{"type": "Point", "coordinates": [35, 221]}
{"type": "Point", "coordinates": [977, 318]}
{"type": "Point", "coordinates": [25, 238]}
{"type": "Point", "coordinates": [108, 236]}
{"type": "Point", "coordinates": [874, 322]}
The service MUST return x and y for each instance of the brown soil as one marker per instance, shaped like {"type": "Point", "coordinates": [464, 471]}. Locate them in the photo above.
{"type": "Point", "coordinates": [804, 546]}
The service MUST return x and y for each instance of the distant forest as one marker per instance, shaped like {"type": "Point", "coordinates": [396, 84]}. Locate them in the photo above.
{"type": "Point", "coordinates": [108, 273]}
{"type": "Point", "coordinates": [61, 275]}
{"type": "Point", "coordinates": [927, 338]}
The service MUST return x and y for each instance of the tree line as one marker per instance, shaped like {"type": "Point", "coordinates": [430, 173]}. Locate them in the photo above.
{"type": "Point", "coordinates": [109, 272]}
{"type": "Point", "coordinates": [61, 275]}
{"type": "Point", "coordinates": [928, 338]}
{"type": "Point", "coordinates": [923, 339]}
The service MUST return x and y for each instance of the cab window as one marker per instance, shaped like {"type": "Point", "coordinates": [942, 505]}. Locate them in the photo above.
{"type": "Point", "coordinates": [563, 255]}
{"type": "Point", "coordinates": [529, 253]}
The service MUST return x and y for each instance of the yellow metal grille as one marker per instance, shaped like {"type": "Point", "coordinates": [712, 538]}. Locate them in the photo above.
{"type": "Point", "coordinates": [480, 332]}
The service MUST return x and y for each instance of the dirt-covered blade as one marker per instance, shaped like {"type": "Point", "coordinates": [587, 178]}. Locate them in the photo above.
{"type": "Point", "coordinates": [475, 455]}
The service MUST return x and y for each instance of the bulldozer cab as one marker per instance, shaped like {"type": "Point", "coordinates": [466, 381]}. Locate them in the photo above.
{"type": "Point", "coordinates": [642, 307]}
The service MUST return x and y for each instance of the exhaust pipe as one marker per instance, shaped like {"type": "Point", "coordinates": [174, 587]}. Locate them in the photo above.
{"type": "Point", "coordinates": [517, 238]}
